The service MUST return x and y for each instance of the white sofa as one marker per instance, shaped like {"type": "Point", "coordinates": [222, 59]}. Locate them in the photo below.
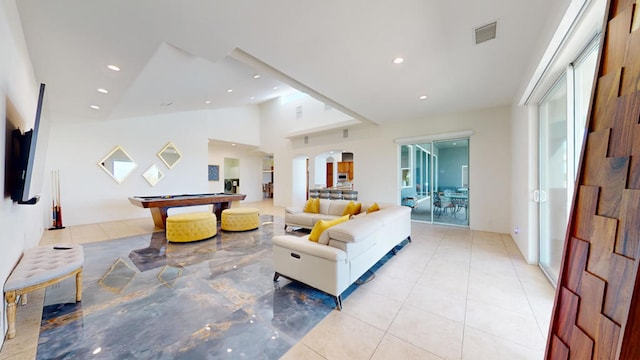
{"type": "Point", "coordinates": [329, 209]}
{"type": "Point", "coordinates": [345, 251]}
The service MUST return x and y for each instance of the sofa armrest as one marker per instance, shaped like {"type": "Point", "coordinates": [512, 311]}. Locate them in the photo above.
{"type": "Point", "coordinates": [293, 210]}
{"type": "Point", "coordinates": [303, 245]}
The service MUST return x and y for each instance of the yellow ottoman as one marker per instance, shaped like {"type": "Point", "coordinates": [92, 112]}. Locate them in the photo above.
{"type": "Point", "coordinates": [240, 219]}
{"type": "Point", "coordinates": [191, 227]}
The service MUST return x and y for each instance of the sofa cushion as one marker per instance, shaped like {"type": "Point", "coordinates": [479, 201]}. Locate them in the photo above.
{"type": "Point", "coordinates": [312, 206]}
{"type": "Point", "coordinates": [324, 206]}
{"type": "Point", "coordinates": [324, 238]}
{"type": "Point", "coordinates": [352, 208]}
{"type": "Point", "coordinates": [354, 231]}
{"type": "Point", "coordinates": [323, 225]}
{"type": "Point", "coordinates": [337, 207]}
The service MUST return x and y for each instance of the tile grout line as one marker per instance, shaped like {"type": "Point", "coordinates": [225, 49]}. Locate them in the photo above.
{"type": "Point", "coordinates": [386, 331]}
{"type": "Point", "coordinates": [466, 298]}
{"type": "Point", "coordinates": [526, 294]}
{"type": "Point", "coordinates": [528, 302]}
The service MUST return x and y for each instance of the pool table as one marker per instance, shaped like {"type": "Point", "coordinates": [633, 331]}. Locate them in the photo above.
{"type": "Point", "coordinates": [158, 205]}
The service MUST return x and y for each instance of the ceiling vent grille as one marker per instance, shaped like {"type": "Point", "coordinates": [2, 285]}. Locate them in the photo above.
{"type": "Point", "coordinates": [299, 112]}
{"type": "Point", "coordinates": [485, 33]}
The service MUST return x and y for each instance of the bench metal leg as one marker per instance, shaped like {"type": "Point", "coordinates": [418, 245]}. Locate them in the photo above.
{"type": "Point", "coordinates": [276, 276]}
{"type": "Point", "coordinates": [338, 300]}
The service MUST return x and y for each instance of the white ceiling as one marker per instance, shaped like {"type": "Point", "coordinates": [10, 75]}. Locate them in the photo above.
{"type": "Point", "coordinates": [190, 51]}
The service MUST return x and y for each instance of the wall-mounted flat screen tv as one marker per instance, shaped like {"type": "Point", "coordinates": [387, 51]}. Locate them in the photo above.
{"type": "Point", "coordinates": [30, 158]}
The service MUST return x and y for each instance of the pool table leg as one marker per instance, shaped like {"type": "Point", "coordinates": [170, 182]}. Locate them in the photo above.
{"type": "Point", "coordinates": [159, 216]}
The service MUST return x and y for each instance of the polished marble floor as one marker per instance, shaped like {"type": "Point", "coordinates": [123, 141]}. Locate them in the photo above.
{"type": "Point", "coordinates": [452, 293]}
{"type": "Point", "coordinates": [145, 298]}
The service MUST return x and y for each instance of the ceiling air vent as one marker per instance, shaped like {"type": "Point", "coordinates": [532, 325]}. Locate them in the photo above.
{"type": "Point", "coordinates": [485, 33]}
{"type": "Point", "coordinates": [299, 112]}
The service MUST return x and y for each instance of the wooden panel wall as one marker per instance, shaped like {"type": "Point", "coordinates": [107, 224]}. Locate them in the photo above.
{"type": "Point", "coordinates": [597, 306]}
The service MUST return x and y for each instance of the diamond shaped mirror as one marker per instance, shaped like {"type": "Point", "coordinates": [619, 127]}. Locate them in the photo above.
{"type": "Point", "coordinates": [153, 175]}
{"type": "Point", "coordinates": [170, 155]}
{"type": "Point", "coordinates": [118, 164]}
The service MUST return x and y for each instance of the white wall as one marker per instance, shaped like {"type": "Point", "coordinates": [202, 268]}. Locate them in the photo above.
{"type": "Point", "coordinates": [90, 195]}
{"type": "Point", "coordinates": [314, 113]}
{"type": "Point", "coordinates": [524, 175]}
{"type": "Point", "coordinates": [21, 225]}
{"type": "Point", "coordinates": [250, 175]}
{"type": "Point", "coordinates": [376, 159]}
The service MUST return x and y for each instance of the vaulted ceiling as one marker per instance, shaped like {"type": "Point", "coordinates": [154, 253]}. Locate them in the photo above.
{"type": "Point", "coordinates": [198, 54]}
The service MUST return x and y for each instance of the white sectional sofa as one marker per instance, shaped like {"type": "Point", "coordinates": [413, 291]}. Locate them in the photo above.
{"type": "Point", "coordinates": [344, 252]}
{"type": "Point", "coordinates": [329, 209]}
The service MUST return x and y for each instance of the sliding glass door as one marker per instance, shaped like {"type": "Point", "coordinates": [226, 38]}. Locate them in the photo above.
{"type": "Point", "coordinates": [434, 179]}
{"type": "Point", "coordinates": [450, 198]}
{"type": "Point", "coordinates": [563, 114]}
{"type": "Point", "coordinates": [554, 178]}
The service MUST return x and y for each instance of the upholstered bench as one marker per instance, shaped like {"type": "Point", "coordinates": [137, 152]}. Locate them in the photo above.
{"type": "Point", "coordinates": [191, 226]}
{"type": "Point", "coordinates": [240, 219]}
{"type": "Point", "coordinates": [38, 268]}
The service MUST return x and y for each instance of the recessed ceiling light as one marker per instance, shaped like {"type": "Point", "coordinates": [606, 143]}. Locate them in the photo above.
{"type": "Point", "coordinates": [275, 88]}
{"type": "Point", "coordinates": [423, 97]}
{"type": "Point", "coordinates": [95, 107]}
{"type": "Point", "coordinates": [113, 67]}
{"type": "Point", "coordinates": [253, 98]}
{"type": "Point", "coordinates": [208, 102]}
{"type": "Point", "coordinates": [256, 76]}
{"type": "Point", "coordinates": [398, 60]}
{"type": "Point", "coordinates": [229, 90]}
{"type": "Point", "coordinates": [233, 144]}
{"type": "Point", "coordinates": [104, 91]}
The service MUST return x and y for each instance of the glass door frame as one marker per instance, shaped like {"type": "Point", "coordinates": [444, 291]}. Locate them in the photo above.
{"type": "Point", "coordinates": [408, 176]}
{"type": "Point", "coordinates": [574, 137]}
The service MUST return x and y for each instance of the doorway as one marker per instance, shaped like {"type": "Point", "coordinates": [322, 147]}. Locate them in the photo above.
{"type": "Point", "coordinates": [434, 181]}
{"type": "Point", "coordinates": [231, 175]}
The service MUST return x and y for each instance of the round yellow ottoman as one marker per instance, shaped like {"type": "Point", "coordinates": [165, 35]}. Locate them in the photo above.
{"type": "Point", "coordinates": [240, 219]}
{"type": "Point", "coordinates": [191, 226]}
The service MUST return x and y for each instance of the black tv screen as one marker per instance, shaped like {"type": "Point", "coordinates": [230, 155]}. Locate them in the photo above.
{"type": "Point", "coordinates": [30, 158]}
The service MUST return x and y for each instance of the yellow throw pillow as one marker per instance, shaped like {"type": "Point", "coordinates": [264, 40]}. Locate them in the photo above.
{"type": "Point", "coordinates": [321, 225]}
{"type": "Point", "coordinates": [312, 206]}
{"type": "Point", "coordinates": [373, 208]}
{"type": "Point", "coordinates": [352, 208]}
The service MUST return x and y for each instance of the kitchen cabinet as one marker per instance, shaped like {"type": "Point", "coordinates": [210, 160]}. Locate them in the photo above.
{"type": "Point", "coordinates": [346, 167]}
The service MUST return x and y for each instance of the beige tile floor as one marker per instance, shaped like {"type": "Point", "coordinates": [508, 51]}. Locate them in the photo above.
{"type": "Point", "coordinates": [452, 293]}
